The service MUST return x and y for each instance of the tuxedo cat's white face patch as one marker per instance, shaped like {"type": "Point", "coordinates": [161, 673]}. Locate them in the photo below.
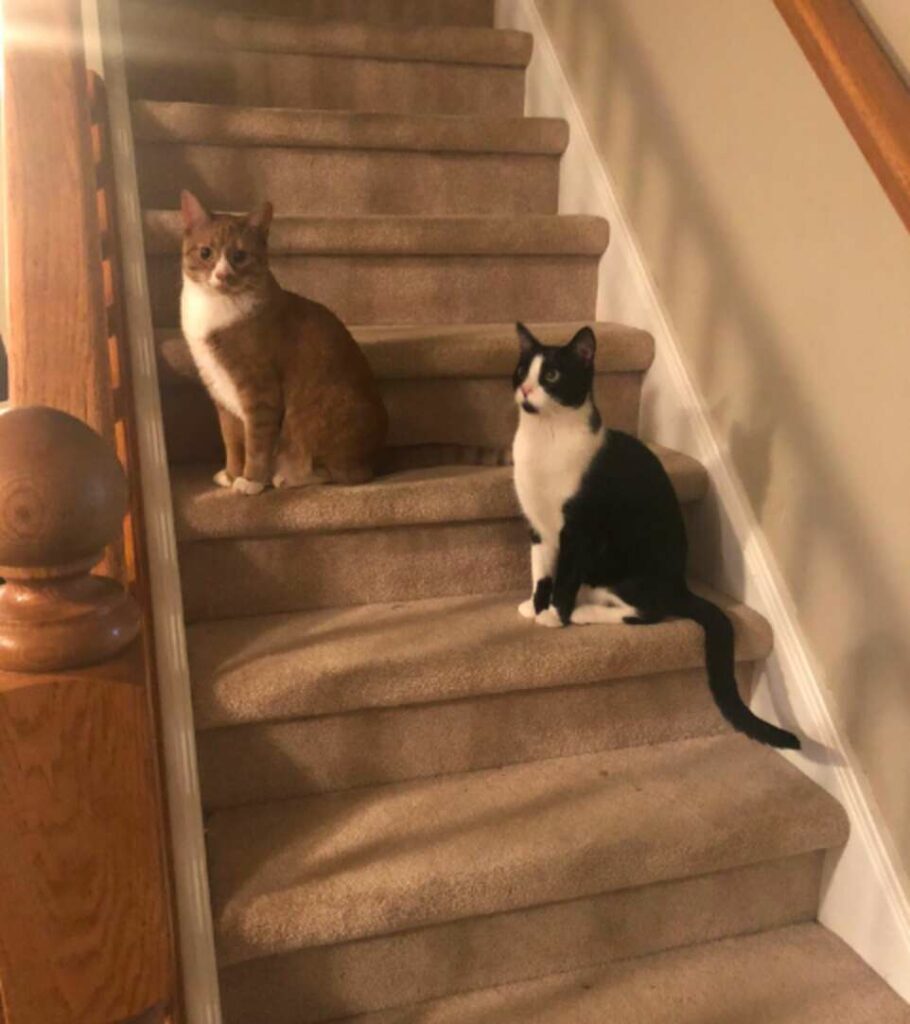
{"type": "Point", "coordinates": [529, 394]}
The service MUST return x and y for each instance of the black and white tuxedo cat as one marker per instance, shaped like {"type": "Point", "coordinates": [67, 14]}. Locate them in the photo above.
{"type": "Point", "coordinates": [608, 542]}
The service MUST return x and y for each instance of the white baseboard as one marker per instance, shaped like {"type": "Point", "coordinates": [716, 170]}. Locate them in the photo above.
{"type": "Point", "coordinates": [198, 970]}
{"type": "Point", "coordinates": [863, 900]}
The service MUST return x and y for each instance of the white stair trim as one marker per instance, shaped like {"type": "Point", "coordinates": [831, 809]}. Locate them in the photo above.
{"type": "Point", "coordinates": [863, 900]}
{"type": "Point", "coordinates": [197, 969]}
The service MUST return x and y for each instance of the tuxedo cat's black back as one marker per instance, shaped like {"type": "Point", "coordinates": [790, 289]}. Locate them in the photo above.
{"type": "Point", "coordinates": [627, 508]}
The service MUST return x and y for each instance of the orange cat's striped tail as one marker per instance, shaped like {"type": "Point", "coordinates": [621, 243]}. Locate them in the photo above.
{"type": "Point", "coordinates": [421, 456]}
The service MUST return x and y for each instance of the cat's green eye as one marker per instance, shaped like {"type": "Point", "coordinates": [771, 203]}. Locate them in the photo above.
{"type": "Point", "coordinates": [551, 376]}
{"type": "Point", "coordinates": [205, 252]}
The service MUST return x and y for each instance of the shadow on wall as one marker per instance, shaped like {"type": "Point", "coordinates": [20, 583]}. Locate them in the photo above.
{"type": "Point", "coordinates": [4, 373]}
{"type": "Point", "coordinates": [825, 521]}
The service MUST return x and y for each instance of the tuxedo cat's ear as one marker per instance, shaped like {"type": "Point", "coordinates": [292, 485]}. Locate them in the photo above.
{"type": "Point", "coordinates": [194, 214]}
{"type": "Point", "coordinates": [584, 345]}
{"type": "Point", "coordinates": [261, 218]}
{"type": "Point", "coordinates": [529, 344]}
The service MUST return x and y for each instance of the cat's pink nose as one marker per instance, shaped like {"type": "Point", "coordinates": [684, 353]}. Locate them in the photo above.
{"type": "Point", "coordinates": [525, 390]}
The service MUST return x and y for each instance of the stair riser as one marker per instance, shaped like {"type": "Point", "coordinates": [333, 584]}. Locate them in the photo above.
{"type": "Point", "coordinates": [453, 410]}
{"type": "Point", "coordinates": [325, 983]}
{"type": "Point", "coordinates": [378, 12]}
{"type": "Point", "coordinates": [259, 576]}
{"type": "Point", "coordinates": [323, 82]}
{"type": "Point", "coordinates": [276, 761]}
{"type": "Point", "coordinates": [349, 182]}
{"type": "Point", "coordinates": [227, 578]}
{"type": "Point", "coordinates": [385, 289]}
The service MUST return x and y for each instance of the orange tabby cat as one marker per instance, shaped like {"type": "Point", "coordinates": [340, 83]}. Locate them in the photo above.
{"type": "Point", "coordinates": [296, 398]}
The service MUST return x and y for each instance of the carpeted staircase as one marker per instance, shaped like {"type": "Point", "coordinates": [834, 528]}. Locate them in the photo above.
{"type": "Point", "coordinates": [420, 808]}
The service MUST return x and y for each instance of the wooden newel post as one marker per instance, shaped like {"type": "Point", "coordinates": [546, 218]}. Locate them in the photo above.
{"type": "Point", "coordinates": [63, 496]}
{"type": "Point", "coordinates": [85, 929]}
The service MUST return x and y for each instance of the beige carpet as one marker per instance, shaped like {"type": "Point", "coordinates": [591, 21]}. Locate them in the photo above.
{"type": "Point", "coordinates": [799, 975]}
{"type": "Point", "coordinates": [345, 865]}
{"type": "Point", "coordinates": [442, 385]}
{"type": "Point", "coordinates": [422, 809]}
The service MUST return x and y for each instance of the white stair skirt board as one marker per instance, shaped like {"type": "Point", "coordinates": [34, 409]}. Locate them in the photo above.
{"type": "Point", "coordinates": [863, 900]}
{"type": "Point", "coordinates": [198, 969]}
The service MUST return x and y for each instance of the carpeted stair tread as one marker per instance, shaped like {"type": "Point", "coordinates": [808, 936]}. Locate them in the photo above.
{"type": "Point", "coordinates": [345, 163]}
{"type": "Point", "coordinates": [575, 235]}
{"type": "Point", "coordinates": [801, 974]}
{"type": "Point", "coordinates": [254, 32]}
{"type": "Point", "coordinates": [279, 667]}
{"type": "Point", "coordinates": [416, 269]}
{"type": "Point", "coordinates": [262, 761]}
{"type": "Point", "coordinates": [443, 385]}
{"type": "Point", "coordinates": [222, 125]}
{"type": "Point", "coordinates": [327, 983]}
{"type": "Point", "coordinates": [373, 861]}
{"type": "Point", "coordinates": [179, 54]}
{"type": "Point", "coordinates": [456, 12]}
{"type": "Point", "coordinates": [439, 494]}
{"type": "Point", "coordinates": [442, 351]}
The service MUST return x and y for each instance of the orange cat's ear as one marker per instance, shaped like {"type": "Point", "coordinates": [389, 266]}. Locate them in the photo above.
{"type": "Point", "coordinates": [261, 218]}
{"type": "Point", "coordinates": [194, 214]}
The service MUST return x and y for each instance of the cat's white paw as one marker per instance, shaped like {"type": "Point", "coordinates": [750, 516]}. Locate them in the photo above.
{"type": "Point", "coordinates": [244, 486]}
{"type": "Point", "coordinates": [581, 615]}
{"type": "Point", "coordinates": [549, 617]}
{"type": "Point", "coordinates": [282, 480]}
{"type": "Point", "coordinates": [526, 608]}
{"type": "Point", "coordinates": [590, 614]}
{"type": "Point", "coordinates": [223, 479]}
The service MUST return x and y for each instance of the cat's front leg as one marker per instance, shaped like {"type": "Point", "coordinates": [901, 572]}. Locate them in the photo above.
{"type": "Point", "coordinates": [566, 583]}
{"type": "Point", "coordinates": [543, 559]}
{"type": "Point", "coordinates": [232, 436]}
{"type": "Point", "coordinates": [261, 424]}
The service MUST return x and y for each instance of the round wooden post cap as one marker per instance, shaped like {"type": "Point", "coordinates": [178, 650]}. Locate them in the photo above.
{"type": "Point", "coordinates": [63, 494]}
{"type": "Point", "coordinates": [62, 499]}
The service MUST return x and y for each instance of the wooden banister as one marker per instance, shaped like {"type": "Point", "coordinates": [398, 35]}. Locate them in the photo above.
{"type": "Point", "coordinates": [86, 930]}
{"type": "Point", "coordinates": [56, 333]}
{"type": "Point", "coordinates": [863, 83]}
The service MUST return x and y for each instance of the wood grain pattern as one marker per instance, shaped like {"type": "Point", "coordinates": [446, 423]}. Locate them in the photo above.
{"type": "Point", "coordinates": [866, 88]}
{"type": "Point", "coordinates": [62, 498]}
{"type": "Point", "coordinates": [154, 1015]}
{"type": "Point", "coordinates": [55, 286]}
{"type": "Point", "coordinates": [84, 936]}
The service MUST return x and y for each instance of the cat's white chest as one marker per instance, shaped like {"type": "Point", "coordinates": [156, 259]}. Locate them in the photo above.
{"type": "Point", "coordinates": [551, 455]}
{"type": "Point", "coordinates": [202, 312]}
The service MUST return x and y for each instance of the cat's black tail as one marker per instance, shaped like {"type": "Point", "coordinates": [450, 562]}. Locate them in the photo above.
{"type": "Point", "coordinates": [720, 661]}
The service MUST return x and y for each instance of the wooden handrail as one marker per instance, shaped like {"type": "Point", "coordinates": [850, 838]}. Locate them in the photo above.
{"type": "Point", "coordinates": [86, 929]}
{"type": "Point", "coordinates": [56, 334]}
{"type": "Point", "coordinates": [863, 83]}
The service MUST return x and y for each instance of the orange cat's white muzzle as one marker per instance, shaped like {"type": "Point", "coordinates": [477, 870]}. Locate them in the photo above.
{"type": "Point", "coordinates": [222, 273]}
